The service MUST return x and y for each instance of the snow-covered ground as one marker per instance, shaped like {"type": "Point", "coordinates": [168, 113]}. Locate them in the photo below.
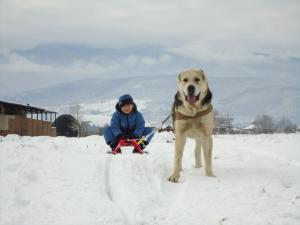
{"type": "Point", "coordinates": [71, 181]}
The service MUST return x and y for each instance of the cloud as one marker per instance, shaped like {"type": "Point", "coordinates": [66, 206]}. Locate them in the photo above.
{"type": "Point", "coordinates": [16, 69]}
{"type": "Point", "coordinates": [175, 24]}
{"type": "Point", "coordinates": [230, 53]}
{"type": "Point", "coordinates": [15, 63]}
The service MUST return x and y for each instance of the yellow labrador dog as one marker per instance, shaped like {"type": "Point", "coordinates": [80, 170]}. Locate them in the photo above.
{"type": "Point", "coordinates": [192, 115]}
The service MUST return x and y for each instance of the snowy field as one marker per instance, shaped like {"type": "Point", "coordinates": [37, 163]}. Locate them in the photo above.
{"type": "Point", "coordinates": [70, 181]}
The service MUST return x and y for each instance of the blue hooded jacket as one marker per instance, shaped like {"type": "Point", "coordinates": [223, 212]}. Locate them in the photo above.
{"type": "Point", "coordinates": [132, 123]}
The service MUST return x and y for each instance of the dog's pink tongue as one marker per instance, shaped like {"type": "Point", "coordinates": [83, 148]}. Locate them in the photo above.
{"type": "Point", "coordinates": [191, 99]}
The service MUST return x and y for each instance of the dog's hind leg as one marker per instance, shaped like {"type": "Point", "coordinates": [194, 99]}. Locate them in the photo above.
{"type": "Point", "coordinates": [198, 160]}
{"type": "Point", "coordinates": [207, 150]}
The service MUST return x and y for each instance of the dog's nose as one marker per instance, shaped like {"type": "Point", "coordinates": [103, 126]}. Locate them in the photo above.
{"type": "Point", "coordinates": [191, 89]}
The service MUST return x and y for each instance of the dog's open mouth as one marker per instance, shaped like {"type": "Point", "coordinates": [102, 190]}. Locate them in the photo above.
{"type": "Point", "coordinates": [192, 98]}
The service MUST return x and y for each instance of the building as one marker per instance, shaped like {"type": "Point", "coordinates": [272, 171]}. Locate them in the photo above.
{"type": "Point", "coordinates": [251, 129]}
{"type": "Point", "coordinates": [26, 120]}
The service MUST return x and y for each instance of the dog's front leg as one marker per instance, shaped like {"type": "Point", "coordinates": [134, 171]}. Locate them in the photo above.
{"type": "Point", "coordinates": [179, 147]}
{"type": "Point", "coordinates": [207, 150]}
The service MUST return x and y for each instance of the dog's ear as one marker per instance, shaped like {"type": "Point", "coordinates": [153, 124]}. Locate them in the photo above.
{"type": "Point", "coordinates": [202, 74]}
{"type": "Point", "coordinates": [177, 100]}
{"type": "Point", "coordinates": [179, 77]}
{"type": "Point", "coordinates": [208, 97]}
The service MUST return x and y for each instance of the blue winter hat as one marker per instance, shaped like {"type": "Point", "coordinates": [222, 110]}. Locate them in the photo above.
{"type": "Point", "coordinates": [125, 99]}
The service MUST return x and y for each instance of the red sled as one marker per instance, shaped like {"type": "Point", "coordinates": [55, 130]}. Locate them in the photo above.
{"type": "Point", "coordinates": [128, 142]}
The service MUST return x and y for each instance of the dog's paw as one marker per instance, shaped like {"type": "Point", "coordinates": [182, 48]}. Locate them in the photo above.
{"type": "Point", "coordinates": [210, 175]}
{"type": "Point", "coordinates": [174, 178]}
{"type": "Point", "coordinates": [209, 172]}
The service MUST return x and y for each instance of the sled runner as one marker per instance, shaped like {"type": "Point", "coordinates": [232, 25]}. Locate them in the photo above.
{"type": "Point", "coordinates": [129, 142]}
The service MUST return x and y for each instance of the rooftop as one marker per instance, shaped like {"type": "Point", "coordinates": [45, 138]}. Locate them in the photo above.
{"type": "Point", "coordinates": [26, 108]}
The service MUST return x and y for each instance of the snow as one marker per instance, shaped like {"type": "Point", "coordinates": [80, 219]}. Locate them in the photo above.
{"type": "Point", "coordinates": [72, 181]}
{"type": "Point", "coordinates": [250, 127]}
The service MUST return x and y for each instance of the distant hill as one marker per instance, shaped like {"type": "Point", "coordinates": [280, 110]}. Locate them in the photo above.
{"type": "Point", "coordinates": [59, 74]}
{"type": "Point", "coordinates": [243, 98]}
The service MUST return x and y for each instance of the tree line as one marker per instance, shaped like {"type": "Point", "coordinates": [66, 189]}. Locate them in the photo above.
{"type": "Point", "coordinates": [262, 124]}
{"type": "Point", "coordinates": [224, 124]}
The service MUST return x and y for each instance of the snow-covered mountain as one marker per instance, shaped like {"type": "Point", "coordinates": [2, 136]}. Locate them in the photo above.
{"type": "Point", "coordinates": [243, 98]}
{"type": "Point", "coordinates": [55, 74]}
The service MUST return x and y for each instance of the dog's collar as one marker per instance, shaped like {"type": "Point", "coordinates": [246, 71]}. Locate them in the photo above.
{"type": "Point", "coordinates": [180, 116]}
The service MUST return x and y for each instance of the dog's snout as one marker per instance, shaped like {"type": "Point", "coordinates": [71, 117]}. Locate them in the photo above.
{"type": "Point", "coordinates": [191, 89]}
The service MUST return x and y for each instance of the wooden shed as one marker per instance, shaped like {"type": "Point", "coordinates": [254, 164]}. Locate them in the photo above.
{"type": "Point", "coordinates": [26, 120]}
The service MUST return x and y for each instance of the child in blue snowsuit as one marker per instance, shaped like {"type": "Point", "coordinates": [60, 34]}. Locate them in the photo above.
{"type": "Point", "coordinates": [126, 122]}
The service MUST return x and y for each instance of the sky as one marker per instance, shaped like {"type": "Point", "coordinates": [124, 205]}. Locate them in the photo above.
{"type": "Point", "coordinates": [226, 32]}
{"type": "Point", "coordinates": [234, 25]}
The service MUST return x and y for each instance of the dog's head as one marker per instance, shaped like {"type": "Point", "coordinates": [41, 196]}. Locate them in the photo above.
{"type": "Point", "coordinates": [193, 87]}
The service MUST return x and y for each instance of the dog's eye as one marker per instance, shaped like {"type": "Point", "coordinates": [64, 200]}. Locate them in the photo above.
{"type": "Point", "coordinates": [185, 80]}
{"type": "Point", "coordinates": [197, 79]}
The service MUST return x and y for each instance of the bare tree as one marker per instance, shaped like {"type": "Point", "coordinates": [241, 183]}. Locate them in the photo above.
{"type": "Point", "coordinates": [264, 124]}
{"type": "Point", "coordinates": [284, 125]}
{"type": "Point", "coordinates": [75, 111]}
{"type": "Point", "coordinates": [223, 123]}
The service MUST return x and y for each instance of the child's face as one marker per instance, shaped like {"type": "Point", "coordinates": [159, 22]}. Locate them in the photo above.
{"type": "Point", "coordinates": [127, 108]}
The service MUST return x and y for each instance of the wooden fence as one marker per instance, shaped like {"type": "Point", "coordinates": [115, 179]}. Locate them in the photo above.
{"type": "Point", "coordinates": [11, 124]}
